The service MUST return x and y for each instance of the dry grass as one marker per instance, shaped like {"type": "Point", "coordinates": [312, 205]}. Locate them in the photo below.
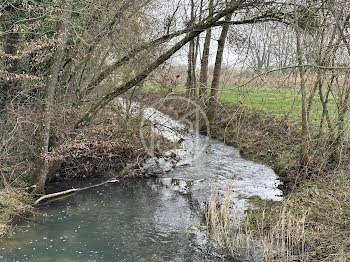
{"type": "Point", "coordinates": [315, 222]}
{"type": "Point", "coordinates": [226, 228]}
{"type": "Point", "coordinates": [14, 203]}
{"type": "Point", "coordinates": [218, 218]}
{"type": "Point", "coordinates": [312, 224]}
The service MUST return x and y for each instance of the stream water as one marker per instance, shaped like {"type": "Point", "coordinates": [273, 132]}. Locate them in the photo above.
{"type": "Point", "coordinates": [144, 220]}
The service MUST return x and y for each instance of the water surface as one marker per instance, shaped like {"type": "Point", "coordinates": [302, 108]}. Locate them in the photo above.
{"type": "Point", "coordinates": [139, 220]}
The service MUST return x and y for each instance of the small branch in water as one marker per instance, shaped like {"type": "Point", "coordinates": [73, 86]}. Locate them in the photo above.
{"type": "Point", "coordinates": [69, 191]}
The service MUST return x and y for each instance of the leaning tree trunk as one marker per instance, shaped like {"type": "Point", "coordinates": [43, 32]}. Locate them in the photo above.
{"type": "Point", "coordinates": [203, 77]}
{"type": "Point", "coordinates": [43, 143]}
{"type": "Point", "coordinates": [108, 97]}
{"type": "Point", "coordinates": [217, 70]}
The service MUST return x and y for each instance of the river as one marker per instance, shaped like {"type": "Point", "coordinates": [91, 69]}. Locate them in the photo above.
{"type": "Point", "coordinates": [147, 219]}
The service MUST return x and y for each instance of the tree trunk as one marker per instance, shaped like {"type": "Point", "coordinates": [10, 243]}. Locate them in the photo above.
{"type": "Point", "coordinates": [344, 105]}
{"type": "Point", "coordinates": [196, 52]}
{"type": "Point", "coordinates": [9, 40]}
{"type": "Point", "coordinates": [189, 81]}
{"type": "Point", "coordinates": [194, 67]}
{"type": "Point", "coordinates": [43, 144]}
{"type": "Point", "coordinates": [203, 78]}
{"type": "Point", "coordinates": [191, 63]}
{"type": "Point", "coordinates": [217, 70]}
{"type": "Point", "coordinates": [304, 149]}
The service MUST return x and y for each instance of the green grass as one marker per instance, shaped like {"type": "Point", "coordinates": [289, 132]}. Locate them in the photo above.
{"type": "Point", "coordinates": [282, 102]}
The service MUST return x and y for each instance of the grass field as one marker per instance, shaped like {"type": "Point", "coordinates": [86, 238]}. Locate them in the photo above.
{"type": "Point", "coordinates": [282, 102]}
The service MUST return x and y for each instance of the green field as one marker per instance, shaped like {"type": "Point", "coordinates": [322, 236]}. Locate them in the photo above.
{"type": "Point", "coordinates": [282, 102]}
{"type": "Point", "coordinates": [279, 102]}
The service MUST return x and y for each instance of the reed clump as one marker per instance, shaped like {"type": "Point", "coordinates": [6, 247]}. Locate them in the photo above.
{"type": "Point", "coordinates": [311, 224]}
{"type": "Point", "coordinates": [224, 224]}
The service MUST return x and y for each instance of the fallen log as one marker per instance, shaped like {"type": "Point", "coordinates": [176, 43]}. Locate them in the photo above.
{"type": "Point", "coordinates": [72, 190]}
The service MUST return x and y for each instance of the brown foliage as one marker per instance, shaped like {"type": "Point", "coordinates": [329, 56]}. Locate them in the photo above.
{"type": "Point", "coordinates": [92, 152]}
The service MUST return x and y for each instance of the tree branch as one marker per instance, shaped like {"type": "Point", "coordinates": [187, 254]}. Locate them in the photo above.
{"type": "Point", "coordinates": [165, 56]}
{"type": "Point", "coordinates": [197, 27]}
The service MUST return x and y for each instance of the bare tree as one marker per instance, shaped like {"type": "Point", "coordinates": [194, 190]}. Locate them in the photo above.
{"type": "Point", "coordinates": [203, 78]}
{"type": "Point", "coordinates": [304, 154]}
{"type": "Point", "coordinates": [192, 32]}
{"type": "Point", "coordinates": [217, 69]}
{"type": "Point", "coordinates": [191, 74]}
{"type": "Point", "coordinates": [43, 144]}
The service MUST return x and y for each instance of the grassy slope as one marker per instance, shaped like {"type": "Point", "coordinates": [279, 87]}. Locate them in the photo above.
{"type": "Point", "coordinates": [281, 102]}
